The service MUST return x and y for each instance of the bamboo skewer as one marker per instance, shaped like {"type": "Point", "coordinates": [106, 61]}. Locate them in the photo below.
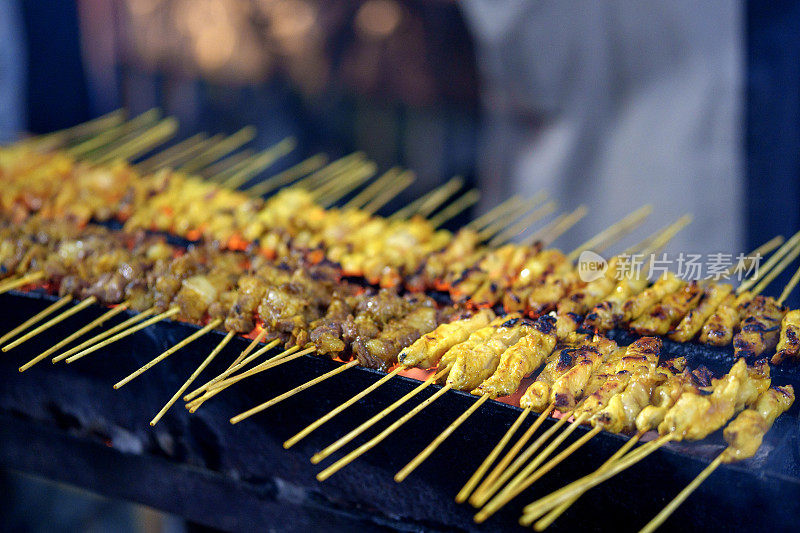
{"type": "Point", "coordinates": [224, 342]}
{"type": "Point", "coordinates": [780, 267]}
{"type": "Point", "coordinates": [261, 162]}
{"type": "Point", "coordinates": [473, 481]}
{"type": "Point", "coordinates": [50, 323]}
{"type": "Point", "coordinates": [270, 363]}
{"type": "Point", "coordinates": [497, 212]}
{"type": "Point", "coordinates": [135, 319]}
{"type": "Point", "coordinates": [789, 287]}
{"type": "Point", "coordinates": [331, 448]}
{"type": "Point", "coordinates": [428, 203]}
{"type": "Point", "coordinates": [541, 506]}
{"type": "Point", "coordinates": [172, 154]}
{"type": "Point", "coordinates": [476, 499]}
{"type": "Point", "coordinates": [317, 178]}
{"type": "Point", "coordinates": [234, 366]}
{"type": "Point", "coordinates": [150, 364]}
{"type": "Point", "coordinates": [228, 165]}
{"type": "Point", "coordinates": [613, 232]}
{"type": "Point", "coordinates": [289, 175]}
{"type": "Point", "coordinates": [123, 334]}
{"type": "Point", "coordinates": [458, 205]}
{"type": "Point", "coordinates": [139, 144]}
{"type": "Point", "coordinates": [374, 441]}
{"type": "Point", "coordinates": [114, 311]}
{"type": "Point", "coordinates": [219, 150]}
{"type": "Point", "coordinates": [545, 522]}
{"type": "Point", "coordinates": [114, 134]}
{"type": "Point", "coordinates": [320, 421]}
{"type": "Point", "coordinates": [373, 190]}
{"type": "Point", "coordinates": [501, 223]}
{"type": "Point", "coordinates": [92, 127]}
{"type": "Point", "coordinates": [502, 472]}
{"type": "Point", "coordinates": [558, 227]}
{"type": "Point", "coordinates": [523, 224]}
{"type": "Point", "coordinates": [20, 282]}
{"type": "Point", "coordinates": [44, 313]}
{"type": "Point", "coordinates": [430, 448]}
{"type": "Point", "coordinates": [774, 259]}
{"type": "Point", "coordinates": [661, 517]}
{"type": "Point", "coordinates": [399, 185]}
{"type": "Point", "coordinates": [528, 475]}
{"type": "Point", "coordinates": [343, 186]}
{"type": "Point", "coordinates": [266, 405]}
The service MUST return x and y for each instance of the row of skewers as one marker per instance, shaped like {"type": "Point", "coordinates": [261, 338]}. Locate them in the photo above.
{"type": "Point", "coordinates": [311, 303]}
{"type": "Point", "coordinates": [477, 354]}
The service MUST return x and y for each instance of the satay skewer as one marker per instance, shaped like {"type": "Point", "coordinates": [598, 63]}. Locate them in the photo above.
{"type": "Point", "coordinates": [224, 342]}
{"type": "Point", "coordinates": [498, 211]}
{"type": "Point", "coordinates": [90, 128]}
{"type": "Point", "coordinates": [303, 168]}
{"type": "Point", "coordinates": [16, 283]}
{"type": "Point", "coordinates": [744, 436]}
{"type": "Point", "coordinates": [113, 134]}
{"type": "Point", "coordinates": [171, 155]}
{"type": "Point", "coordinates": [341, 407]}
{"type": "Point", "coordinates": [502, 221]}
{"type": "Point", "coordinates": [523, 224]}
{"type": "Point", "coordinates": [341, 187]}
{"type": "Point", "coordinates": [119, 336]}
{"type": "Point", "coordinates": [329, 171]}
{"type": "Point", "coordinates": [373, 190]}
{"type": "Point", "coordinates": [114, 311]}
{"type": "Point", "coordinates": [50, 323]}
{"type": "Point", "coordinates": [429, 202]}
{"type": "Point", "coordinates": [139, 144]}
{"type": "Point", "coordinates": [453, 209]}
{"type": "Point", "coordinates": [402, 182]}
{"type": "Point", "coordinates": [241, 361]}
{"type": "Point", "coordinates": [336, 445]}
{"type": "Point", "coordinates": [259, 163]}
{"type": "Point", "coordinates": [150, 364]}
{"type": "Point", "coordinates": [266, 405]}
{"type": "Point", "coordinates": [218, 150]}
{"type": "Point", "coordinates": [609, 235]}
{"type": "Point", "coordinates": [135, 319]}
{"type": "Point", "coordinates": [41, 315]}
{"type": "Point", "coordinates": [266, 365]}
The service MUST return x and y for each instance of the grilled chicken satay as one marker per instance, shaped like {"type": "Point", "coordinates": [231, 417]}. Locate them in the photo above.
{"type": "Point", "coordinates": [638, 356]}
{"type": "Point", "coordinates": [426, 351]}
{"type": "Point", "coordinates": [713, 296]}
{"type": "Point", "coordinates": [522, 358]}
{"type": "Point", "coordinates": [746, 432]}
{"type": "Point", "coordinates": [789, 342]}
{"type": "Point", "coordinates": [761, 327]}
{"type": "Point", "coordinates": [571, 309]}
{"type": "Point", "coordinates": [534, 272]}
{"type": "Point", "coordinates": [484, 287]}
{"type": "Point", "coordinates": [636, 305]}
{"type": "Point", "coordinates": [660, 318]}
{"type": "Point", "coordinates": [718, 330]}
{"type": "Point", "coordinates": [471, 368]}
{"type": "Point", "coordinates": [568, 388]}
{"type": "Point", "coordinates": [537, 395]}
{"type": "Point", "coordinates": [477, 338]}
{"type": "Point", "coordinates": [695, 416]}
{"type": "Point", "coordinates": [607, 314]}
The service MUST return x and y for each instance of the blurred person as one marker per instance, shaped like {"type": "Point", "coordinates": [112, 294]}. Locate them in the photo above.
{"type": "Point", "coordinates": [616, 104]}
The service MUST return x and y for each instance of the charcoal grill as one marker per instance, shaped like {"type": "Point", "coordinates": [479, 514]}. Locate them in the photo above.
{"type": "Point", "coordinates": [66, 423]}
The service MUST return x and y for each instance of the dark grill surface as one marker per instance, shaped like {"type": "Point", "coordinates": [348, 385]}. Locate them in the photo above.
{"type": "Point", "coordinates": [66, 422]}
